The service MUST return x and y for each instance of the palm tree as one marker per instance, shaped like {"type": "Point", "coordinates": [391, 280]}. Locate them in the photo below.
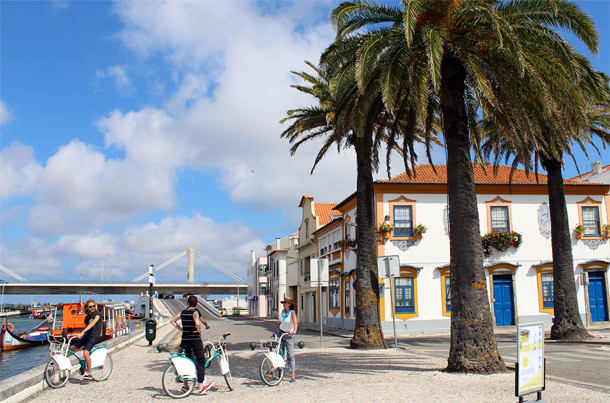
{"type": "Point", "coordinates": [466, 54]}
{"type": "Point", "coordinates": [334, 120]}
{"type": "Point", "coordinates": [556, 137]}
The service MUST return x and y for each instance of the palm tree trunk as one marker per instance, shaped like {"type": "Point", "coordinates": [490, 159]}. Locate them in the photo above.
{"type": "Point", "coordinates": [367, 332]}
{"type": "Point", "coordinates": [567, 324]}
{"type": "Point", "coordinates": [473, 347]}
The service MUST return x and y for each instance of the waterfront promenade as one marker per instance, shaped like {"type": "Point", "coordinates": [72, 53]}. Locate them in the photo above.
{"type": "Point", "coordinates": [324, 375]}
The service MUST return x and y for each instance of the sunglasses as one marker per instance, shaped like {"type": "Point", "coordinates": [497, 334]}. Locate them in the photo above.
{"type": "Point", "coordinates": [90, 306]}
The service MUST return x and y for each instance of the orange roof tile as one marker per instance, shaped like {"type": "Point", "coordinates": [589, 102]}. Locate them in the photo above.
{"type": "Point", "coordinates": [425, 174]}
{"type": "Point", "coordinates": [324, 211]}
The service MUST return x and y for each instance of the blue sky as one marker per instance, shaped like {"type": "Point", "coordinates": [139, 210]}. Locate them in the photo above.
{"type": "Point", "coordinates": [131, 130]}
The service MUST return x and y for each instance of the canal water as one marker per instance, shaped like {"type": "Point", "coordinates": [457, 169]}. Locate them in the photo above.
{"type": "Point", "coordinates": [17, 361]}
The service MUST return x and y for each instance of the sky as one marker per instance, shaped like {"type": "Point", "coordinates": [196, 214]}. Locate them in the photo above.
{"type": "Point", "coordinates": [130, 130]}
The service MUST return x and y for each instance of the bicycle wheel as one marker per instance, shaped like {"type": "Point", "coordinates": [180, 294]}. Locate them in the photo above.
{"type": "Point", "coordinates": [55, 377]}
{"type": "Point", "coordinates": [102, 372]}
{"type": "Point", "coordinates": [174, 387]}
{"type": "Point", "coordinates": [271, 376]}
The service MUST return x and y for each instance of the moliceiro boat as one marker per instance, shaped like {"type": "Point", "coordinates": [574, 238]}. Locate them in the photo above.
{"type": "Point", "coordinates": [9, 340]}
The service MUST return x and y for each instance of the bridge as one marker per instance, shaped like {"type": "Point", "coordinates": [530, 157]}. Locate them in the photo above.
{"type": "Point", "coordinates": [135, 287]}
{"type": "Point", "coordinates": [54, 287]}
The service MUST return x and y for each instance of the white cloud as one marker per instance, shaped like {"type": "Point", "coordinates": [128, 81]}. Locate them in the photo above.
{"type": "Point", "coordinates": [120, 77]}
{"type": "Point", "coordinates": [19, 171]}
{"type": "Point", "coordinates": [6, 113]}
{"type": "Point", "coordinates": [128, 253]}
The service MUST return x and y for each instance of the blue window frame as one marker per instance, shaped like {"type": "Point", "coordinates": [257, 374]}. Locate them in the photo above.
{"type": "Point", "coordinates": [333, 288]}
{"type": "Point", "coordinates": [547, 290]}
{"type": "Point", "coordinates": [403, 221]}
{"type": "Point", "coordinates": [448, 293]}
{"type": "Point", "coordinates": [403, 295]}
{"type": "Point", "coordinates": [499, 218]}
{"type": "Point", "coordinates": [590, 220]}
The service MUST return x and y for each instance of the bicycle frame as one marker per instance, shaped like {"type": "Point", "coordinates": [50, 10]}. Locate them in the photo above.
{"type": "Point", "coordinates": [276, 353]}
{"type": "Point", "coordinates": [61, 357]}
{"type": "Point", "coordinates": [219, 351]}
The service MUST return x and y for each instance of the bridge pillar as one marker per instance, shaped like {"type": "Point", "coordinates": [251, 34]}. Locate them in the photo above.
{"type": "Point", "coordinates": [190, 276]}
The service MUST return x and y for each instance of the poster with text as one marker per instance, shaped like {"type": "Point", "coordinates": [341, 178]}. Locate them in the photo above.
{"type": "Point", "coordinates": [530, 356]}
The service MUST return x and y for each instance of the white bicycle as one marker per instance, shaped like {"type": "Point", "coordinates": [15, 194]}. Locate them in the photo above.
{"type": "Point", "coordinates": [59, 368]}
{"type": "Point", "coordinates": [272, 367]}
{"type": "Point", "coordinates": [179, 378]}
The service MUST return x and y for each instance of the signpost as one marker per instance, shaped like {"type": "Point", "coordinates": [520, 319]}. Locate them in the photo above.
{"type": "Point", "coordinates": [390, 265]}
{"type": "Point", "coordinates": [530, 367]}
{"type": "Point", "coordinates": [320, 276]}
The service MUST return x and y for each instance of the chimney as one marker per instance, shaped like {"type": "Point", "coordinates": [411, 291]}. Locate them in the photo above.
{"type": "Point", "coordinates": [252, 255]}
{"type": "Point", "coordinates": [277, 243]}
{"type": "Point", "coordinates": [596, 167]}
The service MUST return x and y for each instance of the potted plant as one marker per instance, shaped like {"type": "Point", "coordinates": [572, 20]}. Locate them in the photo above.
{"type": "Point", "coordinates": [607, 231]}
{"type": "Point", "coordinates": [420, 230]}
{"type": "Point", "coordinates": [500, 240]}
{"type": "Point", "coordinates": [579, 231]}
{"type": "Point", "coordinates": [385, 229]}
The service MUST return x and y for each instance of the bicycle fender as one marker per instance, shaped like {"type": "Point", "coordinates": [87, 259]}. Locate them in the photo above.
{"type": "Point", "coordinates": [224, 365]}
{"type": "Point", "coordinates": [62, 361]}
{"type": "Point", "coordinates": [98, 356]}
{"type": "Point", "coordinates": [276, 360]}
{"type": "Point", "coordinates": [185, 367]}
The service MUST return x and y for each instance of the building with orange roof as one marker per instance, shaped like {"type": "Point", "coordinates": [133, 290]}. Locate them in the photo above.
{"type": "Point", "coordinates": [519, 277]}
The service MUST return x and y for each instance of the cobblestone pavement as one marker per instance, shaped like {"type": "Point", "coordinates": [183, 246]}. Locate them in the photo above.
{"type": "Point", "coordinates": [324, 375]}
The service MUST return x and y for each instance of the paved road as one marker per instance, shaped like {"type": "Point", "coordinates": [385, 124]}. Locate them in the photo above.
{"type": "Point", "coordinates": [574, 361]}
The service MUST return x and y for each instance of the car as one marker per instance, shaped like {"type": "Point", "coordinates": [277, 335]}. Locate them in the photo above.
{"type": "Point", "coordinates": [168, 295]}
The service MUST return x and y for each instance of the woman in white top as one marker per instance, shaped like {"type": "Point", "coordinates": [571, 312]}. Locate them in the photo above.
{"type": "Point", "coordinates": [289, 324]}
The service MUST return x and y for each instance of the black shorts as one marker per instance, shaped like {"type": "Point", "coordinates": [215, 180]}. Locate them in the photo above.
{"type": "Point", "coordinates": [88, 342]}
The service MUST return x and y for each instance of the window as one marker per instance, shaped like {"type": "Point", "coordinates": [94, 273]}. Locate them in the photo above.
{"type": "Point", "coordinates": [544, 275]}
{"type": "Point", "coordinates": [498, 215]}
{"type": "Point", "coordinates": [306, 229]}
{"type": "Point", "coordinates": [589, 215]}
{"type": "Point", "coordinates": [403, 221]}
{"type": "Point", "coordinates": [448, 293]}
{"type": "Point", "coordinates": [590, 220]}
{"type": "Point", "coordinates": [499, 218]}
{"type": "Point", "coordinates": [333, 287]}
{"type": "Point", "coordinates": [546, 280]}
{"type": "Point", "coordinates": [403, 291]}
{"type": "Point", "coordinates": [347, 284]}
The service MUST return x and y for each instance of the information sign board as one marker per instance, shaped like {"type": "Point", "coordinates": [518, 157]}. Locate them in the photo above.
{"type": "Point", "coordinates": [530, 375]}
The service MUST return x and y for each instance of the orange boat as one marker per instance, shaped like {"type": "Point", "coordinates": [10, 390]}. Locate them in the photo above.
{"type": "Point", "coordinates": [69, 319]}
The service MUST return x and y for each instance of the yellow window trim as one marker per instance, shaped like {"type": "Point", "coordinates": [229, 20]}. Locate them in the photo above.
{"type": "Point", "coordinates": [543, 268]}
{"type": "Point", "coordinates": [499, 202]}
{"type": "Point", "coordinates": [589, 202]}
{"type": "Point", "coordinates": [444, 273]}
{"type": "Point", "coordinates": [407, 272]}
{"type": "Point", "coordinates": [401, 201]}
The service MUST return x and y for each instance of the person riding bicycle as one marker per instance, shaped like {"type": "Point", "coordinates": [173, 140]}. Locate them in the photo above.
{"type": "Point", "coordinates": [91, 334]}
{"type": "Point", "coordinates": [289, 323]}
{"type": "Point", "coordinates": [191, 338]}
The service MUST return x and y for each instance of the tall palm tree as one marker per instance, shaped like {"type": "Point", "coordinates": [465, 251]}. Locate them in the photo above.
{"type": "Point", "coordinates": [464, 53]}
{"type": "Point", "coordinates": [334, 121]}
{"type": "Point", "coordinates": [557, 137]}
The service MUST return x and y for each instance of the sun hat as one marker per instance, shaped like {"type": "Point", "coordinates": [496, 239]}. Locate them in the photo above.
{"type": "Point", "coordinates": [289, 300]}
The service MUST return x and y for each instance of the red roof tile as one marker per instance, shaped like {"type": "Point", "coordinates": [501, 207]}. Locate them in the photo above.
{"type": "Point", "coordinates": [324, 211]}
{"type": "Point", "coordinates": [425, 174]}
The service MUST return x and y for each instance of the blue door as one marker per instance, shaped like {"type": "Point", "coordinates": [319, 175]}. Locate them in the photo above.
{"type": "Point", "coordinates": [503, 300]}
{"type": "Point", "coordinates": [597, 297]}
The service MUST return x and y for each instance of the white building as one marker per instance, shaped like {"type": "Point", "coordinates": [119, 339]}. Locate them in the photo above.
{"type": "Point", "coordinates": [282, 272]}
{"type": "Point", "coordinates": [518, 280]}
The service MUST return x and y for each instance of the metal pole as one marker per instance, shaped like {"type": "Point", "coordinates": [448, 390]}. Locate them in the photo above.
{"type": "Point", "coordinates": [151, 273]}
{"type": "Point", "coordinates": [393, 316]}
{"type": "Point", "coordinates": [320, 304]}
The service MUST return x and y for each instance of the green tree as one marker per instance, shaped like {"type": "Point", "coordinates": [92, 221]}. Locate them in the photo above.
{"type": "Point", "coordinates": [333, 119]}
{"type": "Point", "coordinates": [466, 54]}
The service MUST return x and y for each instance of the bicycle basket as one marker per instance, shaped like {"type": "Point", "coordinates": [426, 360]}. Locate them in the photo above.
{"type": "Point", "coordinates": [269, 344]}
{"type": "Point", "coordinates": [56, 347]}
